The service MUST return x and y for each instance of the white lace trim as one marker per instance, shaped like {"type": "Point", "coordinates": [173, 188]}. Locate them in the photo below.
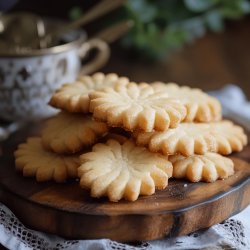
{"type": "Point", "coordinates": [14, 235]}
{"type": "Point", "coordinates": [230, 234]}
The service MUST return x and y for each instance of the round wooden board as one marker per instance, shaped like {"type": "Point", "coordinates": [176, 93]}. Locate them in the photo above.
{"type": "Point", "coordinates": [68, 211]}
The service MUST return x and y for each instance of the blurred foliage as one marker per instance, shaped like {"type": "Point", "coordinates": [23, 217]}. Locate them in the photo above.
{"type": "Point", "coordinates": [162, 26]}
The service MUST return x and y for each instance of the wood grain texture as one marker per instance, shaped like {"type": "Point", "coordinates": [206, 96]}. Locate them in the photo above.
{"type": "Point", "coordinates": [68, 211]}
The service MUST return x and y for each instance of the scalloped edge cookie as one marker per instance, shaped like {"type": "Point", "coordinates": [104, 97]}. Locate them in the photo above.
{"type": "Point", "coordinates": [200, 106]}
{"type": "Point", "coordinates": [208, 167]}
{"type": "Point", "coordinates": [136, 107]}
{"type": "Point", "coordinates": [123, 170]}
{"type": "Point", "coordinates": [195, 138]}
{"type": "Point", "coordinates": [74, 97]}
{"type": "Point", "coordinates": [71, 133]}
{"type": "Point", "coordinates": [34, 161]}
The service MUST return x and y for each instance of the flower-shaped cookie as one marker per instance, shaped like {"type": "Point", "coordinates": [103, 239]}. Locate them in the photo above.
{"type": "Point", "coordinates": [124, 170]}
{"type": "Point", "coordinates": [200, 106]}
{"type": "Point", "coordinates": [209, 167]}
{"type": "Point", "coordinates": [195, 138]}
{"type": "Point", "coordinates": [136, 107]}
{"type": "Point", "coordinates": [70, 133]}
{"type": "Point", "coordinates": [33, 160]}
{"type": "Point", "coordinates": [74, 97]}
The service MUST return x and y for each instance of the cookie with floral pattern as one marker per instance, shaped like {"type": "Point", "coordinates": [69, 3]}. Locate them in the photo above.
{"type": "Point", "coordinates": [123, 170]}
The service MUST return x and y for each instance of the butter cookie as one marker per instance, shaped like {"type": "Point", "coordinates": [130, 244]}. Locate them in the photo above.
{"type": "Point", "coordinates": [74, 97]}
{"type": "Point", "coordinates": [123, 170]}
{"type": "Point", "coordinates": [34, 161]}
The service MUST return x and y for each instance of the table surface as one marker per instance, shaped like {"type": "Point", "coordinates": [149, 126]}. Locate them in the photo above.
{"type": "Point", "coordinates": [209, 63]}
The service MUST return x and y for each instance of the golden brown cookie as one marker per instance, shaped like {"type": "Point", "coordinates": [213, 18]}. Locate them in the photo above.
{"type": "Point", "coordinates": [136, 107]}
{"type": "Point", "coordinates": [195, 138]}
{"type": "Point", "coordinates": [209, 167]}
{"type": "Point", "coordinates": [34, 161]}
{"type": "Point", "coordinates": [70, 133]}
{"type": "Point", "coordinates": [200, 106]}
{"type": "Point", "coordinates": [74, 97]}
{"type": "Point", "coordinates": [124, 170]}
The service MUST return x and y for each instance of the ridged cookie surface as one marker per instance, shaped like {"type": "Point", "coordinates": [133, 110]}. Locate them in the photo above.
{"type": "Point", "coordinates": [71, 132]}
{"type": "Point", "coordinates": [200, 106]}
{"type": "Point", "coordinates": [74, 97]}
{"type": "Point", "coordinates": [34, 161]}
{"type": "Point", "coordinates": [123, 170]}
{"type": "Point", "coordinates": [136, 107]}
{"type": "Point", "coordinates": [195, 138]}
{"type": "Point", "coordinates": [209, 167]}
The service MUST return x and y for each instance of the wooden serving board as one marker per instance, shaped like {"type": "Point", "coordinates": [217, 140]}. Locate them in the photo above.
{"type": "Point", "coordinates": [68, 211]}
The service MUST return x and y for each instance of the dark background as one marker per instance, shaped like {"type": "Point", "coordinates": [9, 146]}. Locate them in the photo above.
{"type": "Point", "coordinates": [208, 63]}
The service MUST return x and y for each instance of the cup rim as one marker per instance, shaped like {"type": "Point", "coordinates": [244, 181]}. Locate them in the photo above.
{"type": "Point", "coordinates": [48, 51]}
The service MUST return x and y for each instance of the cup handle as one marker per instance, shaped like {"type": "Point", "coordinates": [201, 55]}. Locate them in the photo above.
{"type": "Point", "coordinates": [100, 59]}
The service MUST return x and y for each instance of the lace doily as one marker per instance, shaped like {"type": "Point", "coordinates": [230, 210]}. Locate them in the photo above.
{"type": "Point", "coordinates": [231, 234]}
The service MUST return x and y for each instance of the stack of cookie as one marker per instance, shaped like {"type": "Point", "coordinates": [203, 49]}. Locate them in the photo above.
{"type": "Point", "coordinates": [55, 155]}
{"type": "Point", "coordinates": [173, 132]}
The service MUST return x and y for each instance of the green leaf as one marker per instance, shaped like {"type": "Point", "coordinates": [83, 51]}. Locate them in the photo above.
{"type": "Point", "coordinates": [214, 20]}
{"type": "Point", "coordinates": [195, 26]}
{"type": "Point", "coordinates": [144, 10]}
{"type": "Point", "coordinates": [199, 5]}
{"type": "Point", "coordinates": [162, 26]}
{"type": "Point", "coordinates": [234, 9]}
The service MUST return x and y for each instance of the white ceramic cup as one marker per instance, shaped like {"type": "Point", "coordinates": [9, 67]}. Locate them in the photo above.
{"type": "Point", "coordinates": [28, 80]}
